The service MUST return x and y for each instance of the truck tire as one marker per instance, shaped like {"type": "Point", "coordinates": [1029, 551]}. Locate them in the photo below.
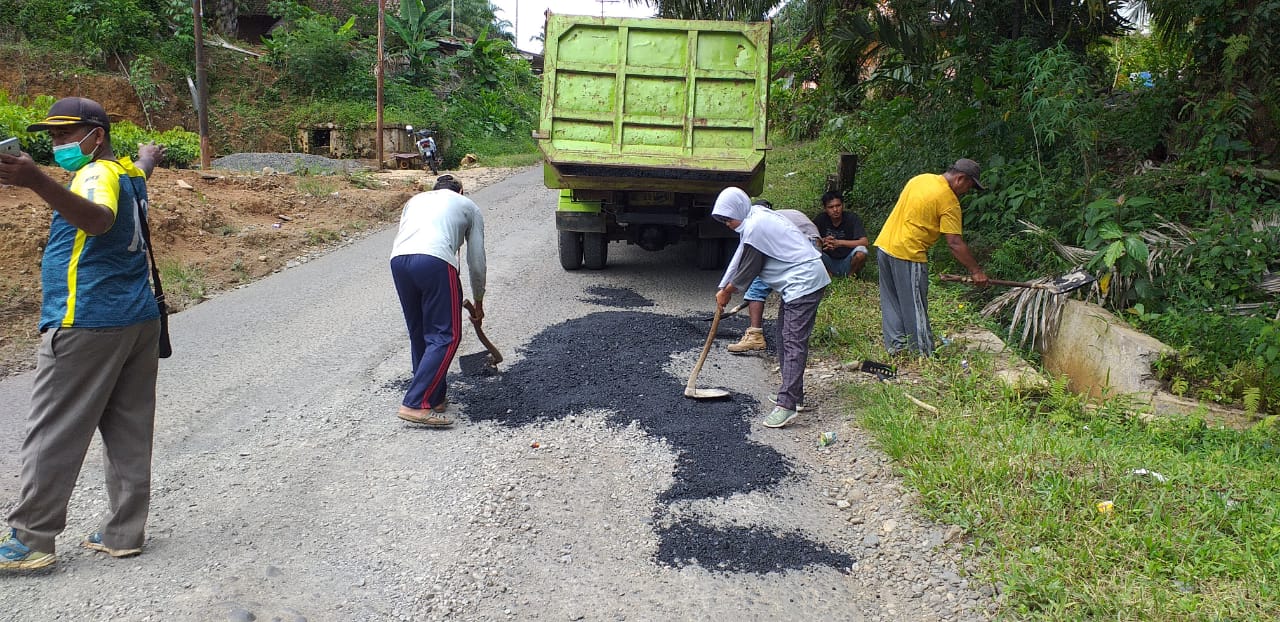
{"type": "Point", "coordinates": [595, 250]}
{"type": "Point", "coordinates": [570, 250]}
{"type": "Point", "coordinates": [708, 253]}
{"type": "Point", "coordinates": [727, 247]}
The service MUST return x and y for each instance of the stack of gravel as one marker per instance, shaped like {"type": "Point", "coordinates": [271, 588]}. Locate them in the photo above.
{"type": "Point", "coordinates": [286, 163]}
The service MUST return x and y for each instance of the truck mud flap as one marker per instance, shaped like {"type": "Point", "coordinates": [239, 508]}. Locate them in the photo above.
{"type": "Point", "coordinates": [583, 222]}
{"type": "Point", "coordinates": [581, 216]}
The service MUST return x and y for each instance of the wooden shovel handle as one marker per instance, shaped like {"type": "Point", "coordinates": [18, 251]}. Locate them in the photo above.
{"type": "Point", "coordinates": [706, 347]}
{"type": "Point", "coordinates": [493, 350]}
{"type": "Point", "coordinates": [955, 278]}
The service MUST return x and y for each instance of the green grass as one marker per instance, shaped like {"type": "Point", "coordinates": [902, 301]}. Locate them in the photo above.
{"type": "Point", "coordinates": [364, 179]}
{"type": "Point", "coordinates": [1023, 473]}
{"type": "Point", "coordinates": [511, 160]}
{"type": "Point", "coordinates": [184, 284]}
{"type": "Point", "coordinates": [317, 186]}
{"type": "Point", "coordinates": [317, 237]}
{"type": "Point", "coordinates": [796, 175]}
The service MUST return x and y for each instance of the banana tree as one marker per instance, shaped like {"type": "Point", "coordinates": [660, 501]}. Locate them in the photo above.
{"type": "Point", "coordinates": [417, 29]}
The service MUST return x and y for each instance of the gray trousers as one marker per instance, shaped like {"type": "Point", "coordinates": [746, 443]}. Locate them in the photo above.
{"type": "Point", "coordinates": [90, 379]}
{"type": "Point", "coordinates": [795, 322]}
{"type": "Point", "coordinates": [904, 304]}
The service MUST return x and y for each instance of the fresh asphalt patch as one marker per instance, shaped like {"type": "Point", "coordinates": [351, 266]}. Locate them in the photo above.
{"type": "Point", "coordinates": [617, 297]}
{"type": "Point", "coordinates": [742, 549]}
{"type": "Point", "coordinates": [614, 361]}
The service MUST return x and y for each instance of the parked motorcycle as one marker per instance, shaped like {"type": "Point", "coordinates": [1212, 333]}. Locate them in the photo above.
{"type": "Point", "coordinates": [429, 151]}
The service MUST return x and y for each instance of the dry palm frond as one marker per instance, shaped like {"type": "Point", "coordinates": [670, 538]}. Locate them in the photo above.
{"type": "Point", "coordinates": [1270, 283]}
{"type": "Point", "coordinates": [1036, 310]}
{"type": "Point", "coordinates": [1262, 225]}
{"type": "Point", "coordinates": [1166, 243]}
{"type": "Point", "coordinates": [1073, 254]}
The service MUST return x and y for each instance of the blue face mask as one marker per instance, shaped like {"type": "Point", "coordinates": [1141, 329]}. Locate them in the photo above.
{"type": "Point", "coordinates": [70, 157]}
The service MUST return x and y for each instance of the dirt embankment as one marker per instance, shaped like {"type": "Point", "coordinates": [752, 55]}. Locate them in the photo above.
{"type": "Point", "coordinates": [212, 230]}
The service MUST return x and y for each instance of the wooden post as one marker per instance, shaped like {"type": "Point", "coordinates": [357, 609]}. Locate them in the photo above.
{"type": "Point", "coordinates": [202, 85]}
{"type": "Point", "coordinates": [847, 172]}
{"type": "Point", "coordinates": [377, 71]}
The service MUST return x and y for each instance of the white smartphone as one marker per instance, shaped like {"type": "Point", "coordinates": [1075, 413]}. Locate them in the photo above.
{"type": "Point", "coordinates": [10, 146]}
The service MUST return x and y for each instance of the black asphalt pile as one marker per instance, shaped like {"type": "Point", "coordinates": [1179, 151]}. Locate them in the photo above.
{"type": "Point", "coordinates": [476, 364]}
{"type": "Point", "coordinates": [617, 297]}
{"type": "Point", "coordinates": [614, 360]}
{"type": "Point", "coordinates": [743, 549]}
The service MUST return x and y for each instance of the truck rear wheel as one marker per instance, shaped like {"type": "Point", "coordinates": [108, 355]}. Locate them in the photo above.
{"type": "Point", "coordinates": [570, 250]}
{"type": "Point", "coordinates": [595, 250]}
{"type": "Point", "coordinates": [728, 246]}
{"type": "Point", "coordinates": [708, 253]}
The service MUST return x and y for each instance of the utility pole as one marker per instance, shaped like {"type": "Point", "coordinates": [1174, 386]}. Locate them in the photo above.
{"type": "Point", "coordinates": [377, 72]}
{"type": "Point", "coordinates": [602, 3]}
{"type": "Point", "coordinates": [202, 86]}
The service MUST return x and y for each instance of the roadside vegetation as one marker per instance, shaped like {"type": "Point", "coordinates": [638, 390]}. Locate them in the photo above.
{"type": "Point", "coordinates": [313, 68]}
{"type": "Point", "coordinates": [1164, 187]}
{"type": "Point", "coordinates": [1138, 146]}
{"type": "Point", "coordinates": [1076, 511]}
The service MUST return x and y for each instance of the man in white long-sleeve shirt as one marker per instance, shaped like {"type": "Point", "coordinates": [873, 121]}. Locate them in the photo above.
{"type": "Point", "coordinates": [424, 264]}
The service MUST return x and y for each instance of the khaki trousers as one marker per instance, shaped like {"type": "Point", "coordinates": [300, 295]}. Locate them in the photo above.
{"type": "Point", "coordinates": [90, 379]}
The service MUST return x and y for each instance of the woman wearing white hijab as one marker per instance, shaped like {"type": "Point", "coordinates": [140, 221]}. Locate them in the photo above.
{"type": "Point", "coordinates": [772, 247]}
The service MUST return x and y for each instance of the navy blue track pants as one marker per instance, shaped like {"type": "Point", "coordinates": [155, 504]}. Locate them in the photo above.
{"type": "Point", "coordinates": [431, 299]}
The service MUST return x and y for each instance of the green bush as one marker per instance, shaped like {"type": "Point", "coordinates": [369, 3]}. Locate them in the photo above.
{"type": "Point", "coordinates": [45, 20]}
{"type": "Point", "coordinates": [320, 56]}
{"type": "Point", "coordinates": [181, 147]}
{"type": "Point", "coordinates": [111, 27]}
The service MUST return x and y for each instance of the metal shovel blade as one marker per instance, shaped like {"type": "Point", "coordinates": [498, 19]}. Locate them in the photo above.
{"type": "Point", "coordinates": [1070, 282]}
{"type": "Point", "coordinates": [706, 394]}
{"type": "Point", "coordinates": [690, 390]}
{"type": "Point", "coordinates": [478, 364]}
{"type": "Point", "coordinates": [730, 312]}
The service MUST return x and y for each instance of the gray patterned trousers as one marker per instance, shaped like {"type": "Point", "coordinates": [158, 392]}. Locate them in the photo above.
{"type": "Point", "coordinates": [904, 304]}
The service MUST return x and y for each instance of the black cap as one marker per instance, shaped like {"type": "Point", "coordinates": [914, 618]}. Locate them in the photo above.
{"type": "Point", "coordinates": [70, 111]}
{"type": "Point", "coordinates": [970, 168]}
{"type": "Point", "coordinates": [448, 182]}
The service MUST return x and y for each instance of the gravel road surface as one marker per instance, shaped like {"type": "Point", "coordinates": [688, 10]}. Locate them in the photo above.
{"type": "Point", "coordinates": [579, 483]}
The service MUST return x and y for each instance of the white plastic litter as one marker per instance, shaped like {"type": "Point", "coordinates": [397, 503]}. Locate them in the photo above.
{"type": "Point", "coordinates": [1156, 476]}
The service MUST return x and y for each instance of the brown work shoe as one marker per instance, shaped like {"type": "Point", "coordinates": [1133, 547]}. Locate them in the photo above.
{"type": "Point", "coordinates": [424, 416]}
{"type": "Point", "coordinates": [753, 339]}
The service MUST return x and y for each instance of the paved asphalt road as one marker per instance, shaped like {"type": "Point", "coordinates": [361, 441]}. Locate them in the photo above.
{"type": "Point", "coordinates": [286, 489]}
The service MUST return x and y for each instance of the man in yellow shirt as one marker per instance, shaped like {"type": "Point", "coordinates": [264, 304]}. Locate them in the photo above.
{"type": "Point", "coordinates": [927, 208]}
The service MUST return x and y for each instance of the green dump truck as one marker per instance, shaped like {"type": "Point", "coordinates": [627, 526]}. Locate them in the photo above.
{"type": "Point", "coordinates": [643, 123]}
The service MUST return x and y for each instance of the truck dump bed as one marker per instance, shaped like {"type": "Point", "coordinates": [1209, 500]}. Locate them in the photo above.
{"type": "Point", "coordinates": [654, 104]}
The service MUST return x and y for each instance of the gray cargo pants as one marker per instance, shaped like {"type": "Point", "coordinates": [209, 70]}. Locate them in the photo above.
{"type": "Point", "coordinates": [795, 320]}
{"type": "Point", "coordinates": [90, 379]}
{"type": "Point", "coordinates": [904, 304]}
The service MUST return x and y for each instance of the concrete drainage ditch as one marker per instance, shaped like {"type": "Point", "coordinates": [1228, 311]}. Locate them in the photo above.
{"type": "Point", "coordinates": [1101, 356]}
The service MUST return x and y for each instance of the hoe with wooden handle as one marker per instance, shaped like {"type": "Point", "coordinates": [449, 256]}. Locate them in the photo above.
{"type": "Point", "coordinates": [495, 356]}
{"type": "Point", "coordinates": [705, 394]}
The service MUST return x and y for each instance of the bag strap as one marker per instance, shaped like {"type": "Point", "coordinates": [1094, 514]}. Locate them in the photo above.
{"type": "Point", "coordinates": [151, 254]}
